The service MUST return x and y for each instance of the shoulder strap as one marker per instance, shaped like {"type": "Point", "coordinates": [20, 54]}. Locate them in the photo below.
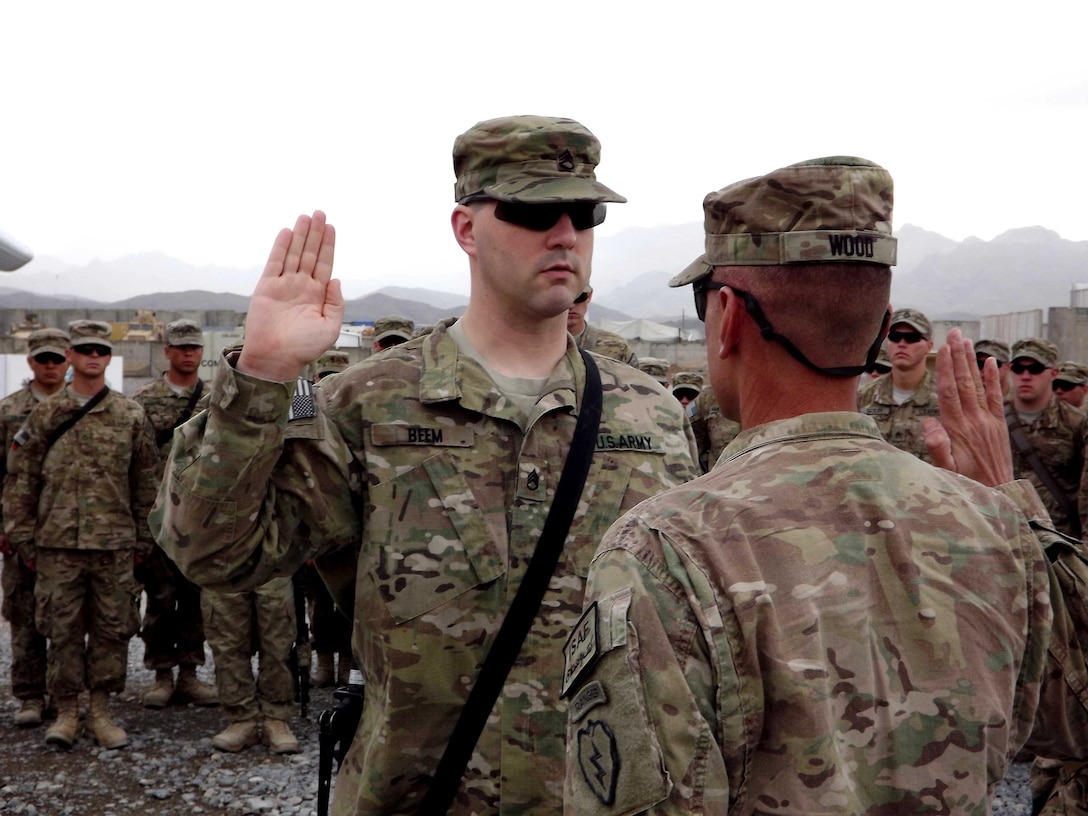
{"type": "Point", "coordinates": [525, 606]}
{"type": "Point", "coordinates": [166, 434]}
{"type": "Point", "coordinates": [1024, 446]}
{"type": "Point", "coordinates": [66, 426]}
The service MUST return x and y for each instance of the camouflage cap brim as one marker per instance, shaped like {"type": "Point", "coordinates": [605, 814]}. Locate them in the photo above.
{"type": "Point", "coordinates": [549, 189]}
{"type": "Point", "coordinates": [694, 271]}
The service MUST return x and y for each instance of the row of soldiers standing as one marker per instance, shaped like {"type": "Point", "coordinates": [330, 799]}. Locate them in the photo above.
{"type": "Point", "coordinates": [81, 465]}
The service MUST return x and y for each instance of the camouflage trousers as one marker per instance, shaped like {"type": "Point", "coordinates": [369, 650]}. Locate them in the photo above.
{"type": "Point", "coordinates": [87, 603]}
{"type": "Point", "coordinates": [27, 643]}
{"type": "Point", "coordinates": [1059, 788]}
{"type": "Point", "coordinates": [173, 628]}
{"type": "Point", "coordinates": [237, 624]}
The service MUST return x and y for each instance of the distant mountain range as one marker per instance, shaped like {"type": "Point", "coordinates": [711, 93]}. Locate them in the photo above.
{"type": "Point", "coordinates": [1027, 268]}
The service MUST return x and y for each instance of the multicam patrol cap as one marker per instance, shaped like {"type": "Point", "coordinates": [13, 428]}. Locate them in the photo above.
{"type": "Point", "coordinates": [656, 367]}
{"type": "Point", "coordinates": [835, 209]}
{"type": "Point", "coordinates": [914, 319]}
{"type": "Point", "coordinates": [46, 341]}
{"type": "Point", "coordinates": [1073, 373]}
{"type": "Point", "coordinates": [393, 326]}
{"type": "Point", "coordinates": [1037, 349]}
{"type": "Point", "coordinates": [332, 361]}
{"type": "Point", "coordinates": [993, 348]}
{"type": "Point", "coordinates": [529, 159]}
{"type": "Point", "coordinates": [687, 381]}
{"type": "Point", "coordinates": [882, 363]}
{"type": "Point", "coordinates": [90, 331]}
{"type": "Point", "coordinates": [184, 333]}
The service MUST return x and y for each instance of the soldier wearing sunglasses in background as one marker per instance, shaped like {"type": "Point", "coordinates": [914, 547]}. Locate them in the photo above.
{"type": "Point", "coordinates": [899, 403]}
{"type": "Point", "coordinates": [1071, 384]}
{"type": "Point", "coordinates": [83, 475]}
{"type": "Point", "coordinates": [46, 359]}
{"type": "Point", "coordinates": [420, 478]}
{"type": "Point", "coordinates": [1000, 352]}
{"type": "Point", "coordinates": [1056, 432]}
{"type": "Point", "coordinates": [591, 338]}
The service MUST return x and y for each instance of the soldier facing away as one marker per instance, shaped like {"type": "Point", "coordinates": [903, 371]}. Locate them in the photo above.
{"type": "Point", "coordinates": [421, 477]}
{"type": "Point", "coordinates": [46, 359]}
{"type": "Point", "coordinates": [822, 623]}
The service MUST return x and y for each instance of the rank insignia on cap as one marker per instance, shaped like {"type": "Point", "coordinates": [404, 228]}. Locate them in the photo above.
{"type": "Point", "coordinates": [599, 759]}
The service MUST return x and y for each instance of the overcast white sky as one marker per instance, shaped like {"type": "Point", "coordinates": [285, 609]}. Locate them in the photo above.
{"type": "Point", "coordinates": [199, 129]}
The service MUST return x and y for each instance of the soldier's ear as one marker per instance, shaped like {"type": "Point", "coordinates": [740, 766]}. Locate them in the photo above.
{"type": "Point", "coordinates": [732, 312]}
{"type": "Point", "coordinates": [463, 221]}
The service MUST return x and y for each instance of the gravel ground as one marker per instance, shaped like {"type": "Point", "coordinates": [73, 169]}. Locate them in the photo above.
{"type": "Point", "coordinates": [170, 768]}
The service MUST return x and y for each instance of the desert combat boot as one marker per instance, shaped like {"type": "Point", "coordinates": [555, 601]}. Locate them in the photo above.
{"type": "Point", "coordinates": [237, 736]}
{"type": "Point", "coordinates": [65, 728]}
{"type": "Point", "coordinates": [30, 712]}
{"type": "Point", "coordinates": [106, 732]}
{"type": "Point", "coordinates": [158, 696]}
{"type": "Point", "coordinates": [278, 737]}
{"type": "Point", "coordinates": [189, 689]}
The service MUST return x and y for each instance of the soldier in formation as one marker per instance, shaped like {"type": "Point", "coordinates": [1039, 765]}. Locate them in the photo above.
{"type": "Point", "coordinates": [592, 338]}
{"type": "Point", "coordinates": [1049, 437]}
{"type": "Point", "coordinates": [1071, 384]}
{"type": "Point", "coordinates": [46, 357]}
{"type": "Point", "coordinates": [656, 367]}
{"type": "Point", "coordinates": [823, 623]}
{"type": "Point", "coordinates": [83, 474]}
{"type": "Point", "coordinates": [173, 626]}
{"type": "Point", "coordinates": [713, 430]}
{"type": "Point", "coordinates": [686, 386]}
{"type": "Point", "coordinates": [899, 402]}
{"type": "Point", "coordinates": [427, 472]}
{"type": "Point", "coordinates": [999, 351]}
{"type": "Point", "coordinates": [392, 331]}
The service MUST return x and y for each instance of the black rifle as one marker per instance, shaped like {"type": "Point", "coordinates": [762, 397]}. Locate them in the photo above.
{"type": "Point", "coordinates": [301, 650]}
{"type": "Point", "coordinates": [337, 727]}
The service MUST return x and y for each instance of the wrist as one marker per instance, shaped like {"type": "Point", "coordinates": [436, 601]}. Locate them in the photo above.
{"type": "Point", "coordinates": [272, 369]}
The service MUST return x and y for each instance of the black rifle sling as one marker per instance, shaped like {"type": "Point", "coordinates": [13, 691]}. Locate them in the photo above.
{"type": "Point", "coordinates": [525, 606]}
{"type": "Point", "coordinates": [166, 434]}
{"type": "Point", "coordinates": [1024, 446]}
{"type": "Point", "coordinates": [66, 426]}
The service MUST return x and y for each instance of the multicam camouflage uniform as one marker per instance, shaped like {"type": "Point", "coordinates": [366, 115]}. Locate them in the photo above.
{"type": "Point", "coordinates": [173, 628]}
{"type": "Point", "coordinates": [264, 618]}
{"type": "Point", "coordinates": [901, 425]}
{"type": "Point", "coordinates": [713, 430]}
{"type": "Point", "coordinates": [1059, 437]}
{"type": "Point", "coordinates": [607, 344]}
{"type": "Point", "coordinates": [719, 684]}
{"type": "Point", "coordinates": [80, 510]}
{"type": "Point", "coordinates": [415, 467]}
{"type": "Point", "coordinates": [27, 643]}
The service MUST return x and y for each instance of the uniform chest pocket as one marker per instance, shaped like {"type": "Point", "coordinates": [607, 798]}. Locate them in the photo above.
{"type": "Point", "coordinates": [431, 538]}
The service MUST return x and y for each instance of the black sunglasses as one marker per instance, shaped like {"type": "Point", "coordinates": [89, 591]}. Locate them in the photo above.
{"type": "Point", "coordinates": [905, 337]}
{"type": "Point", "coordinates": [700, 288]}
{"type": "Point", "coordinates": [1062, 385]}
{"type": "Point", "coordinates": [542, 217]}
{"type": "Point", "coordinates": [88, 349]}
{"type": "Point", "coordinates": [48, 357]}
{"type": "Point", "coordinates": [582, 298]}
{"type": "Point", "coordinates": [1035, 369]}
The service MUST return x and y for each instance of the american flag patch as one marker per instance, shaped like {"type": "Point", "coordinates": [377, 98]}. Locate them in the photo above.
{"type": "Point", "coordinates": [302, 403]}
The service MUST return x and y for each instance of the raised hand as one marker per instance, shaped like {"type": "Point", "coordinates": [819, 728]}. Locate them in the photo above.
{"type": "Point", "coordinates": [297, 308]}
{"type": "Point", "coordinates": [971, 437]}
